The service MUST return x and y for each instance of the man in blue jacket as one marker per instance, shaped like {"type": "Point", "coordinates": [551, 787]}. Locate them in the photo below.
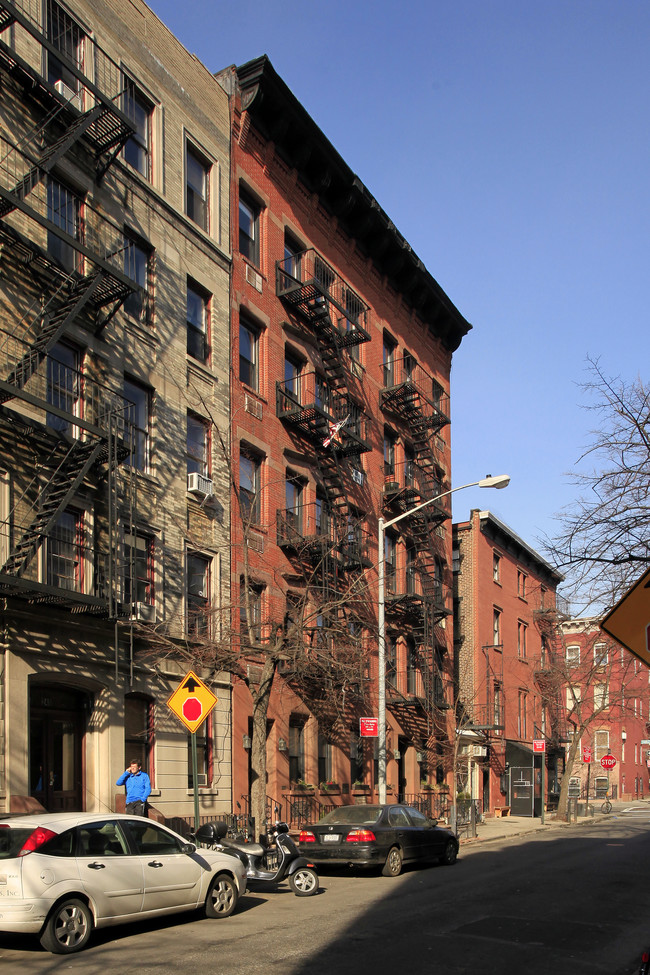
{"type": "Point", "coordinates": [138, 788]}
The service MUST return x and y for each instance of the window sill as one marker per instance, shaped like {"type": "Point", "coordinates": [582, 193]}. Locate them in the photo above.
{"type": "Point", "coordinates": [204, 790]}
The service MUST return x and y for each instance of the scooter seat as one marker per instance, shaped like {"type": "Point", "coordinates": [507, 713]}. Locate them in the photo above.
{"type": "Point", "coordinates": [252, 849]}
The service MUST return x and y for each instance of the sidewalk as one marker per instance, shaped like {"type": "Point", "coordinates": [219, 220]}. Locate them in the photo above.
{"type": "Point", "coordinates": [505, 827]}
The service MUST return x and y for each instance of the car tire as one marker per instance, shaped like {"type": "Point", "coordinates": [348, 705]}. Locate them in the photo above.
{"type": "Point", "coordinates": [222, 897]}
{"type": "Point", "coordinates": [304, 882]}
{"type": "Point", "coordinates": [68, 928]}
{"type": "Point", "coordinates": [449, 854]}
{"type": "Point", "coordinates": [393, 864]}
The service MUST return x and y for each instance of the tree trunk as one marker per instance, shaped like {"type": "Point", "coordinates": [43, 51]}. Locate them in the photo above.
{"type": "Point", "coordinates": [563, 801]}
{"type": "Point", "coordinates": [261, 697]}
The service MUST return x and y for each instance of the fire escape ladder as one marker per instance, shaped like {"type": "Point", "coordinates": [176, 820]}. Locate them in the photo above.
{"type": "Point", "coordinates": [53, 500]}
{"type": "Point", "coordinates": [73, 301]}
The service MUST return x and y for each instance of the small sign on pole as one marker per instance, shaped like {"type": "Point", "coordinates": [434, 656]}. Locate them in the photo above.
{"type": "Point", "coordinates": [369, 727]}
{"type": "Point", "coordinates": [586, 754]}
{"type": "Point", "coordinates": [539, 745]}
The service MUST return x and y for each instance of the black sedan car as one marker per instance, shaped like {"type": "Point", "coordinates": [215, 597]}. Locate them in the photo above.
{"type": "Point", "coordinates": [378, 835]}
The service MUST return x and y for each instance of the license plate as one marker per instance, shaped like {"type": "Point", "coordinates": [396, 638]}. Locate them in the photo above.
{"type": "Point", "coordinates": [331, 838]}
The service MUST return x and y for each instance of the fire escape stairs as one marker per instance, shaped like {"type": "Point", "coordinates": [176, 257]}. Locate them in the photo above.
{"type": "Point", "coordinates": [53, 500]}
{"type": "Point", "coordinates": [54, 326]}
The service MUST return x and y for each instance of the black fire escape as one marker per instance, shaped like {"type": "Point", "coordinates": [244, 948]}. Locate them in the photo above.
{"type": "Point", "coordinates": [72, 425]}
{"type": "Point", "coordinates": [318, 407]}
{"type": "Point", "coordinates": [417, 600]}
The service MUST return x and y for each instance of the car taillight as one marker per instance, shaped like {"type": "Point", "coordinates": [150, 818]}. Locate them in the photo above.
{"type": "Point", "coordinates": [306, 836]}
{"type": "Point", "coordinates": [361, 836]}
{"type": "Point", "coordinates": [40, 836]}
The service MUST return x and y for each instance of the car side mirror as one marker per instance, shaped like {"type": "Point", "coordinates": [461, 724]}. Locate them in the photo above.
{"type": "Point", "coordinates": [188, 848]}
{"type": "Point", "coordinates": [434, 822]}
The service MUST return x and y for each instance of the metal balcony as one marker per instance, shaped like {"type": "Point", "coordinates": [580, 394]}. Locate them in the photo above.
{"type": "Point", "coordinates": [97, 96]}
{"type": "Point", "coordinates": [406, 485]}
{"type": "Point", "coordinates": [308, 528]}
{"type": "Point", "coordinates": [412, 395]}
{"type": "Point", "coordinates": [312, 406]}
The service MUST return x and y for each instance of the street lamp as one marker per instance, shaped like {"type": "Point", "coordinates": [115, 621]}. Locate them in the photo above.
{"type": "Point", "coordinates": [498, 481]}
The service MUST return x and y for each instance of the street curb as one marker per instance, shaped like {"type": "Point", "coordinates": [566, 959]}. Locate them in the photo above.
{"type": "Point", "coordinates": [556, 824]}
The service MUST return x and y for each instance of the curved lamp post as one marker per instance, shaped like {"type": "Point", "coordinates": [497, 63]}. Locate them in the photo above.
{"type": "Point", "coordinates": [498, 481]}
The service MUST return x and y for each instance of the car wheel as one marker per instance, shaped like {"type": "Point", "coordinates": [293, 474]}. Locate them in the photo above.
{"type": "Point", "coordinates": [304, 882]}
{"type": "Point", "coordinates": [222, 897]}
{"type": "Point", "coordinates": [393, 865]}
{"type": "Point", "coordinates": [449, 853]}
{"type": "Point", "coordinates": [68, 928]}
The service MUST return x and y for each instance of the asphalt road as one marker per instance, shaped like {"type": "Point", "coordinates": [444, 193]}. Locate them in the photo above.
{"type": "Point", "coordinates": [567, 901]}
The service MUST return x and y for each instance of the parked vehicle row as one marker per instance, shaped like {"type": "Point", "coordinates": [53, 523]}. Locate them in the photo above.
{"type": "Point", "coordinates": [64, 874]}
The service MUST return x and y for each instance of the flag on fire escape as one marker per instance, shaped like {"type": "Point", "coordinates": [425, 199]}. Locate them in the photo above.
{"type": "Point", "coordinates": [335, 431]}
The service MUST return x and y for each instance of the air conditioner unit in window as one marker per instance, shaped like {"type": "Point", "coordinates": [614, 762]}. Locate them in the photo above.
{"type": "Point", "coordinates": [200, 485]}
{"type": "Point", "coordinates": [254, 278]}
{"type": "Point", "coordinates": [479, 751]}
{"type": "Point", "coordinates": [72, 97]}
{"type": "Point", "coordinates": [253, 406]}
{"type": "Point", "coordinates": [143, 612]}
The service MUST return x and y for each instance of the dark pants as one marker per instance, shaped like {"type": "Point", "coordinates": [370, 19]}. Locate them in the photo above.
{"type": "Point", "coordinates": [136, 808]}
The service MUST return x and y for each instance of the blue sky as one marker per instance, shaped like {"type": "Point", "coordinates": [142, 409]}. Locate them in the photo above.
{"type": "Point", "coordinates": [509, 142]}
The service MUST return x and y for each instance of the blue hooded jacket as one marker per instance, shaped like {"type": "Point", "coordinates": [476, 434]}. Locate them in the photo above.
{"type": "Point", "coordinates": [138, 786]}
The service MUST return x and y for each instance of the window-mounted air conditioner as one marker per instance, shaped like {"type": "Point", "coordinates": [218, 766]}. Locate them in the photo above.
{"type": "Point", "coordinates": [200, 485]}
{"type": "Point", "coordinates": [143, 612]}
{"type": "Point", "coordinates": [254, 278]}
{"type": "Point", "coordinates": [253, 406]}
{"type": "Point", "coordinates": [72, 97]}
{"type": "Point", "coordinates": [479, 751]}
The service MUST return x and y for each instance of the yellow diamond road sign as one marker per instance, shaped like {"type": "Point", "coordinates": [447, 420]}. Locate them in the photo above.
{"type": "Point", "coordinates": [629, 621]}
{"type": "Point", "coordinates": [192, 701]}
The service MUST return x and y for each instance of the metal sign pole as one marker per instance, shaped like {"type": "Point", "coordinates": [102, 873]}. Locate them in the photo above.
{"type": "Point", "coordinates": [195, 780]}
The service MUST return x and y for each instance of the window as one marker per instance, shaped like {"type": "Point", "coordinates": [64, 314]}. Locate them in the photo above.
{"type": "Point", "coordinates": [356, 759]}
{"type": "Point", "coordinates": [496, 566]}
{"type": "Point", "coordinates": [522, 724]}
{"type": "Point", "coordinates": [296, 750]}
{"type": "Point", "coordinates": [138, 266]}
{"type": "Point", "coordinates": [137, 151]}
{"type": "Point", "coordinates": [292, 369]}
{"type": "Point", "coordinates": [572, 655]}
{"type": "Point", "coordinates": [521, 584]}
{"type": "Point", "coordinates": [139, 731]}
{"type": "Point", "coordinates": [250, 612]}
{"type": "Point", "coordinates": [293, 496]}
{"type": "Point", "coordinates": [411, 667]}
{"type": "Point", "coordinates": [198, 319]}
{"type": "Point", "coordinates": [250, 467]}
{"type": "Point", "coordinates": [411, 569]}
{"type": "Point", "coordinates": [601, 655]}
{"type": "Point", "coordinates": [389, 361]}
{"type": "Point", "coordinates": [64, 211]}
{"type": "Point", "coordinates": [249, 340]}
{"type": "Point", "coordinates": [522, 639]}
{"type": "Point", "coordinates": [68, 39]}
{"type": "Point", "coordinates": [573, 696]}
{"type": "Point", "coordinates": [138, 417]}
{"type": "Point", "coordinates": [204, 755]}
{"type": "Point", "coordinates": [198, 595]}
{"type": "Point", "coordinates": [249, 228]}
{"type": "Point", "coordinates": [391, 660]}
{"type": "Point", "coordinates": [601, 696]}
{"type": "Point", "coordinates": [198, 446]}
{"type": "Point", "coordinates": [292, 258]}
{"type": "Point", "coordinates": [390, 562]}
{"type": "Point", "coordinates": [138, 569]}
{"type": "Point", "coordinates": [65, 552]}
{"type": "Point", "coordinates": [496, 627]}
{"type": "Point", "coordinates": [498, 706]}
{"type": "Point", "coordinates": [322, 515]}
{"type": "Point", "coordinates": [152, 840]}
{"type": "Point", "coordinates": [197, 181]}
{"type": "Point", "coordinates": [389, 455]}
{"type": "Point", "coordinates": [63, 385]}
{"type": "Point", "coordinates": [324, 759]}
{"type": "Point", "coordinates": [601, 744]}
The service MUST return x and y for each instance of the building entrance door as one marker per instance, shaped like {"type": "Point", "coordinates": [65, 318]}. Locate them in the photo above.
{"type": "Point", "coordinates": [57, 723]}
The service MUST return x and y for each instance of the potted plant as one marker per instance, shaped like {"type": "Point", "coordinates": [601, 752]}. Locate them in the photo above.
{"type": "Point", "coordinates": [302, 786]}
{"type": "Point", "coordinates": [359, 786]}
{"type": "Point", "coordinates": [426, 787]}
{"type": "Point", "coordinates": [330, 786]}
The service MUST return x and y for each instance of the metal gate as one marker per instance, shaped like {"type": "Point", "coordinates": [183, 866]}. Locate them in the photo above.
{"type": "Point", "coordinates": [521, 791]}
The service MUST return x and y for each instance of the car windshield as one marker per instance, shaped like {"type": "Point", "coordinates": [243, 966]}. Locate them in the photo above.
{"type": "Point", "coordinates": [12, 840]}
{"type": "Point", "coordinates": [361, 815]}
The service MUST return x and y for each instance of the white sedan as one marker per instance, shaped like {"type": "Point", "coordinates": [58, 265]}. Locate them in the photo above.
{"type": "Point", "coordinates": [63, 874]}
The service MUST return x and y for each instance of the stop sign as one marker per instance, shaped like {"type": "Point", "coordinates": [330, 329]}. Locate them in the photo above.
{"type": "Point", "coordinates": [608, 762]}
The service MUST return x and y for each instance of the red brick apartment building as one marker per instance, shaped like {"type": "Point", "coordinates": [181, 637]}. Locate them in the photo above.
{"type": "Point", "coordinates": [334, 320]}
{"type": "Point", "coordinates": [603, 677]}
{"type": "Point", "coordinates": [501, 585]}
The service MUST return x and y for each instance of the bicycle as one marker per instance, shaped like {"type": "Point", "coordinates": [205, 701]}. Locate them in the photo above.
{"type": "Point", "coordinates": [606, 806]}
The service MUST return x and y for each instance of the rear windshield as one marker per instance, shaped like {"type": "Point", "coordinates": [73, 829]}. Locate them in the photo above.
{"type": "Point", "coordinates": [12, 840]}
{"type": "Point", "coordinates": [360, 815]}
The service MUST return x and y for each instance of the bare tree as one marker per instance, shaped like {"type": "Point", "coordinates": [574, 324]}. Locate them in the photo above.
{"type": "Point", "coordinates": [604, 540]}
{"type": "Point", "coordinates": [585, 681]}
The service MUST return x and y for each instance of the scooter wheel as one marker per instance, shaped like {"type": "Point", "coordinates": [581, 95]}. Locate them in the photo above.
{"type": "Point", "coordinates": [304, 882]}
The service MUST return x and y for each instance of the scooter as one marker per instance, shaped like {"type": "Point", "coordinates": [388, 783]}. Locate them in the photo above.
{"type": "Point", "coordinates": [257, 857]}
